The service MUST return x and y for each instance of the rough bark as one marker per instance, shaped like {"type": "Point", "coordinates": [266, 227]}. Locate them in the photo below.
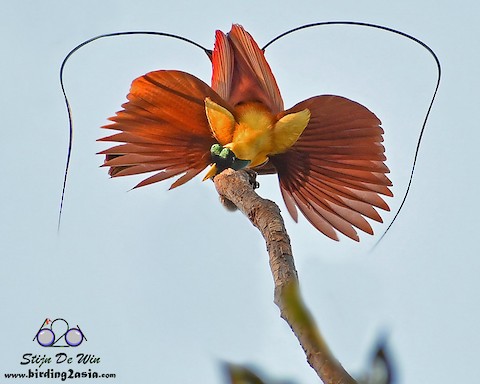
{"type": "Point", "coordinates": [238, 188]}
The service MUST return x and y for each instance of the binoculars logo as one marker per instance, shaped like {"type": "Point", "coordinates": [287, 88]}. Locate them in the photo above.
{"type": "Point", "coordinates": [57, 333]}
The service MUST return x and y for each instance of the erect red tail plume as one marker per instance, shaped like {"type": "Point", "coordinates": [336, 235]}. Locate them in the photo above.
{"type": "Point", "coordinates": [241, 72]}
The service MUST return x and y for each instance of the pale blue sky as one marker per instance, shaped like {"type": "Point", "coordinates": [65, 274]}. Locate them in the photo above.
{"type": "Point", "coordinates": [167, 284]}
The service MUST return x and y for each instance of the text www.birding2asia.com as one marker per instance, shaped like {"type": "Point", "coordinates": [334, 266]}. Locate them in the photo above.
{"type": "Point", "coordinates": [51, 373]}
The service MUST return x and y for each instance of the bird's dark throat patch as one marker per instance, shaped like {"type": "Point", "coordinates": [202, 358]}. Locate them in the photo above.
{"type": "Point", "coordinates": [224, 158]}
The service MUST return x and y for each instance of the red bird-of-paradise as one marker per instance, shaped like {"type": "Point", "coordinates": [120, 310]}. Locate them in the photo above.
{"type": "Point", "coordinates": [326, 150]}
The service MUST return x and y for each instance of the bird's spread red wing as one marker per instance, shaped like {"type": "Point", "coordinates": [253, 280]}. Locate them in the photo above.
{"type": "Point", "coordinates": [163, 127]}
{"type": "Point", "coordinates": [335, 172]}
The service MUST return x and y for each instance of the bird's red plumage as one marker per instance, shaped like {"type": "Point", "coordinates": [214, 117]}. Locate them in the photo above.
{"type": "Point", "coordinates": [334, 173]}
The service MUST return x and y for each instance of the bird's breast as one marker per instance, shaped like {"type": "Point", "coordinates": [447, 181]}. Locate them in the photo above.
{"type": "Point", "coordinates": [252, 138]}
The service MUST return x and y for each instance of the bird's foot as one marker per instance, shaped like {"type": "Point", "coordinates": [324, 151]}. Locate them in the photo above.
{"type": "Point", "coordinates": [252, 175]}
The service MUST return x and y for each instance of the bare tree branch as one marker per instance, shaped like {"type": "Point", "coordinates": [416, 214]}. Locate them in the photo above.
{"type": "Point", "coordinates": [238, 188]}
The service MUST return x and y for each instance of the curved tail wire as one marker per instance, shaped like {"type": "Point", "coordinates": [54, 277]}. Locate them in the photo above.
{"type": "Point", "coordinates": [67, 104]}
{"type": "Point", "coordinates": [403, 34]}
